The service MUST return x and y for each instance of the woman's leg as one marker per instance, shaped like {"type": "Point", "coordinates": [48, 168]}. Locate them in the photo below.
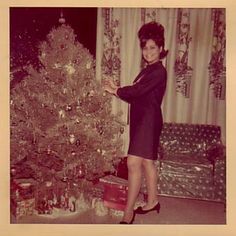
{"type": "Point", "coordinates": [134, 164]}
{"type": "Point", "coordinates": [150, 172]}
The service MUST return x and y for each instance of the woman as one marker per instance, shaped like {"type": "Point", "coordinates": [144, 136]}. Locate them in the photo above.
{"type": "Point", "coordinates": [145, 98]}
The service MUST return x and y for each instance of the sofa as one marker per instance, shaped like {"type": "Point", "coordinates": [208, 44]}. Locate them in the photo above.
{"type": "Point", "coordinates": [191, 162]}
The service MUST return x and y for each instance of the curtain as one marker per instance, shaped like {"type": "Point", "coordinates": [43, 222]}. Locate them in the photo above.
{"type": "Point", "coordinates": [195, 63]}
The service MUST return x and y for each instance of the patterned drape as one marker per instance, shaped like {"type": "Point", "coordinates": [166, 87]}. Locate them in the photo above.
{"type": "Point", "coordinates": [195, 64]}
{"type": "Point", "coordinates": [183, 71]}
{"type": "Point", "coordinates": [111, 64]}
{"type": "Point", "coordinates": [217, 69]}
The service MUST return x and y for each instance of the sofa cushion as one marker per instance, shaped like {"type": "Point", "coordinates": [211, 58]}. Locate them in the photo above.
{"type": "Point", "coordinates": [191, 165]}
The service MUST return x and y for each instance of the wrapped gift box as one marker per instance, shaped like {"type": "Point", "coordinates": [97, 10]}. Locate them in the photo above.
{"type": "Point", "coordinates": [22, 207]}
{"type": "Point", "coordinates": [115, 192]}
{"type": "Point", "coordinates": [22, 187]}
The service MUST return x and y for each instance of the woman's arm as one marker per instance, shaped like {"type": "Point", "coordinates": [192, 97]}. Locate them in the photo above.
{"type": "Point", "coordinates": [112, 88]}
{"type": "Point", "coordinates": [145, 85]}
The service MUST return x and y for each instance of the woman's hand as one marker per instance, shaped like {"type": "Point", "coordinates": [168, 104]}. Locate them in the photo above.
{"type": "Point", "coordinates": [110, 86]}
{"type": "Point", "coordinates": [111, 83]}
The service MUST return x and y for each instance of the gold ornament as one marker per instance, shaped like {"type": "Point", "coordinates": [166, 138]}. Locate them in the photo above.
{"type": "Point", "coordinates": [61, 114]}
{"type": "Point", "coordinates": [88, 65]}
{"type": "Point", "coordinates": [57, 65]}
{"type": "Point", "coordinates": [80, 171]}
{"type": "Point", "coordinates": [72, 138]}
{"type": "Point", "coordinates": [43, 55]}
{"type": "Point", "coordinates": [68, 107]}
{"type": "Point", "coordinates": [48, 150]}
{"type": "Point", "coordinates": [70, 69]}
{"type": "Point", "coordinates": [64, 90]}
{"type": "Point", "coordinates": [91, 93]}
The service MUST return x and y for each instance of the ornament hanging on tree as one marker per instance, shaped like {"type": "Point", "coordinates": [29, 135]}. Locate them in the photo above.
{"type": "Point", "coordinates": [100, 130]}
{"type": "Point", "coordinates": [43, 55]}
{"type": "Point", "coordinates": [68, 108]}
{"type": "Point", "coordinates": [62, 114]}
{"type": "Point", "coordinates": [91, 93]}
{"type": "Point", "coordinates": [80, 171]}
{"type": "Point", "coordinates": [78, 102]}
{"type": "Point", "coordinates": [64, 90]}
{"type": "Point", "coordinates": [77, 142]}
{"type": "Point", "coordinates": [49, 149]}
{"type": "Point", "coordinates": [57, 65]}
{"type": "Point", "coordinates": [64, 178]}
{"type": "Point", "coordinates": [72, 138]}
{"type": "Point", "coordinates": [70, 69]}
{"type": "Point", "coordinates": [88, 65]}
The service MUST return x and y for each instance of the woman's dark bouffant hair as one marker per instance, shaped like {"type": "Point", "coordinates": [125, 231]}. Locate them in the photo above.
{"type": "Point", "coordinates": [154, 31]}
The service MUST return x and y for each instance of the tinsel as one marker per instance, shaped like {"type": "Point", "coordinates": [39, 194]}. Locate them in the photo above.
{"type": "Point", "coordinates": [61, 116]}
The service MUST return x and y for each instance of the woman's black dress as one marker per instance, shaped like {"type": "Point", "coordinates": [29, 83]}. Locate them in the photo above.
{"type": "Point", "coordinates": [145, 98]}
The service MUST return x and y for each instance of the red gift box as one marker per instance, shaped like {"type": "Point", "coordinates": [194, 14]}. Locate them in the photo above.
{"type": "Point", "coordinates": [22, 187]}
{"type": "Point", "coordinates": [115, 192]}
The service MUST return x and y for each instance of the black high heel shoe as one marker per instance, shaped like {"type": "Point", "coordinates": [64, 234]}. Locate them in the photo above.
{"type": "Point", "coordinates": [132, 220]}
{"type": "Point", "coordinates": [140, 210]}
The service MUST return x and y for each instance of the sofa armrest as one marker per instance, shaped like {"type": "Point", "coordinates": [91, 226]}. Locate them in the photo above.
{"type": "Point", "coordinates": [215, 152]}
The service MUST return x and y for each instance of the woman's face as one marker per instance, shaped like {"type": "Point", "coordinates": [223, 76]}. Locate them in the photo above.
{"type": "Point", "coordinates": [151, 52]}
